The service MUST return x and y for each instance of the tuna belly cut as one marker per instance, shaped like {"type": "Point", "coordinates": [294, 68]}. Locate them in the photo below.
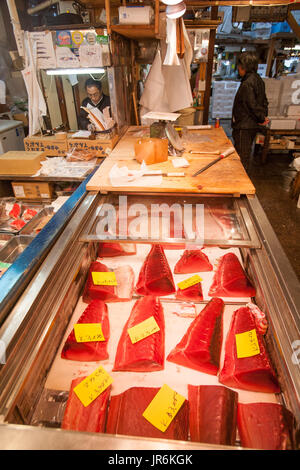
{"type": "Point", "coordinates": [95, 312]}
{"type": "Point", "coordinates": [265, 426]}
{"type": "Point", "coordinates": [200, 347]}
{"type": "Point", "coordinates": [254, 373]}
{"type": "Point", "coordinates": [230, 279]}
{"type": "Point", "coordinates": [155, 277]}
{"type": "Point", "coordinates": [89, 418]}
{"type": "Point", "coordinates": [213, 414]}
{"type": "Point", "coordinates": [147, 354]}
{"type": "Point", "coordinates": [125, 416]}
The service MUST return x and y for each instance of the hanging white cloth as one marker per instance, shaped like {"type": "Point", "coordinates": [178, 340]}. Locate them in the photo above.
{"type": "Point", "coordinates": [171, 57]}
{"type": "Point", "coordinates": [36, 102]}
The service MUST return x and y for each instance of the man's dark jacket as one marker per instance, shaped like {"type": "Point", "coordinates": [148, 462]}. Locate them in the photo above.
{"type": "Point", "coordinates": [250, 107]}
{"type": "Point", "coordinates": [83, 120]}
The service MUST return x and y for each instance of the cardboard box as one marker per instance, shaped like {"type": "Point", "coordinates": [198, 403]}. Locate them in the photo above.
{"type": "Point", "coordinates": [32, 190]}
{"type": "Point", "coordinates": [53, 146]}
{"type": "Point", "coordinates": [102, 147]}
{"type": "Point", "coordinates": [18, 162]}
{"type": "Point", "coordinates": [282, 123]}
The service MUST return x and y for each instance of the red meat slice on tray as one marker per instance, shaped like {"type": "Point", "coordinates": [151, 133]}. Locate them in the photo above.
{"type": "Point", "coordinates": [95, 312]}
{"type": "Point", "coordinates": [125, 416]}
{"type": "Point", "coordinates": [254, 373]}
{"type": "Point", "coordinates": [109, 293]}
{"type": "Point", "coordinates": [108, 249]}
{"type": "Point", "coordinates": [265, 426]}
{"type": "Point", "coordinates": [193, 293]}
{"type": "Point", "coordinates": [18, 224]}
{"type": "Point", "coordinates": [147, 354]}
{"type": "Point", "coordinates": [89, 418]}
{"type": "Point", "coordinates": [213, 414]}
{"type": "Point", "coordinates": [230, 279]}
{"type": "Point", "coordinates": [192, 261]}
{"type": "Point", "coordinates": [15, 212]}
{"type": "Point", "coordinates": [200, 347]}
{"type": "Point", "coordinates": [155, 276]}
{"type": "Point", "coordinates": [29, 214]}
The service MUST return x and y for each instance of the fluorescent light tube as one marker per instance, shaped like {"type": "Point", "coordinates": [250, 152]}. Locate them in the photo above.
{"type": "Point", "coordinates": [74, 71]}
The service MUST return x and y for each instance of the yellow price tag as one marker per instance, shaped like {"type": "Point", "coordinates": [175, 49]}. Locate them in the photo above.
{"type": "Point", "coordinates": [143, 329]}
{"type": "Point", "coordinates": [191, 281]}
{"type": "Point", "coordinates": [247, 344]}
{"type": "Point", "coordinates": [104, 279]}
{"type": "Point", "coordinates": [86, 332]}
{"type": "Point", "coordinates": [163, 408]}
{"type": "Point", "coordinates": [93, 385]}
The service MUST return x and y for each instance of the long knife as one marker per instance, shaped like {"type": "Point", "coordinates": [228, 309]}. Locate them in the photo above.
{"type": "Point", "coordinates": [221, 157]}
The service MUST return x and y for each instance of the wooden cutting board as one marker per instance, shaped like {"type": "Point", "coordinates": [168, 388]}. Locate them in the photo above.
{"type": "Point", "coordinates": [225, 177]}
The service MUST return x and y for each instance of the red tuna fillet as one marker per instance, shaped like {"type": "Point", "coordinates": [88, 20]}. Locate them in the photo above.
{"type": "Point", "coordinates": [89, 418]}
{"type": "Point", "coordinates": [122, 292]}
{"type": "Point", "coordinates": [125, 416]}
{"type": "Point", "coordinates": [193, 293]}
{"type": "Point", "coordinates": [15, 212]}
{"type": "Point", "coordinates": [192, 261]}
{"type": "Point", "coordinates": [230, 279]}
{"type": "Point", "coordinates": [18, 224]}
{"type": "Point", "coordinates": [29, 214]}
{"type": "Point", "coordinates": [116, 249]}
{"type": "Point", "coordinates": [95, 312]}
{"type": "Point", "coordinates": [265, 426]}
{"type": "Point", "coordinates": [213, 414]}
{"type": "Point", "coordinates": [253, 373]}
{"type": "Point", "coordinates": [155, 277]}
{"type": "Point", "coordinates": [200, 347]}
{"type": "Point", "coordinates": [148, 354]}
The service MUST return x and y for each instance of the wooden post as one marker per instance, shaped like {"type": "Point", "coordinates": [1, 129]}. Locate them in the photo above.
{"type": "Point", "coordinates": [270, 56]}
{"type": "Point", "coordinates": [209, 67]}
{"type": "Point", "coordinates": [62, 102]}
{"type": "Point", "coordinates": [108, 18]}
{"type": "Point", "coordinates": [75, 90]}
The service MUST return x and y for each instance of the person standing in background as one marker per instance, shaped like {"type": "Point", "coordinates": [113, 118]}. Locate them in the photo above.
{"type": "Point", "coordinates": [96, 98]}
{"type": "Point", "coordinates": [250, 107]}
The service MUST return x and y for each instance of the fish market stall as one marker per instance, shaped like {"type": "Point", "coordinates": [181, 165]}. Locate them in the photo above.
{"type": "Point", "coordinates": [198, 310]}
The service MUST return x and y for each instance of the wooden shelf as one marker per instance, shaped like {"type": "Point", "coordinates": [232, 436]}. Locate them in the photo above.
{"type": "Point", "coordinates": [202, 24]}
{"type": "Point", "coordinates": [141, 31]}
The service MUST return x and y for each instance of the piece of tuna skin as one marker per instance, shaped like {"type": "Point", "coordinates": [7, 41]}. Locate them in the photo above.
{"type": "Point", "coordinates": [125, 416]}
{"type": "Point", "coordinates": [253, 373]}
{"type": "Point", "coordinates": [89, 418]}
{"type": "Point", "coordinates": [95, 312]}
{"type": "Point", "coordinates": [230, 279]}
{"type": "Point", "coordinates": [192, 261]}
{"type": "Point", "coordinates": [265, 426]}
{"type": "Point", "coordinates": [200, 347]}
{"type": "Point", "coordinates": [155, 277]}
{"type": "Point", "coordinates": [193, 293]}
{"type": "Point", "coordinates": [146, 355]}
{"type": "Point", "coordinates": [213, 414]}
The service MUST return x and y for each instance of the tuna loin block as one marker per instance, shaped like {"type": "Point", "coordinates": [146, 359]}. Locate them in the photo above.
{"type": "Point", "coordinates": [230, 279]}
{"type": "Point", "coordinates": [89, 418]}
{"type": "Point", "coordinates": [254, 373]}
{"type": "Point", "coordinates": [192, 261]}
{"type": "Point", "coordinates": [147, 354]}
{"type": "Point", "coordinates": [213, 414]}
{"type": "Point", "coordinates": [265, 426]}
{"type": "Point", "coordinates": [200, 347]}
{"type": "Point", "coordinates": [155, 277]}
{"type": "Point", "coordinates": [95, 312]}
{"type": "Point", "coordinates": [126, 410]}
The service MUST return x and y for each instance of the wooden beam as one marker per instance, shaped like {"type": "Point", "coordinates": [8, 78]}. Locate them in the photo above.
{"type": "Point", "coordinates": [209, 67]}
{"type": "Point", "coordinates": [108, 17]}
{"type": "Point", "coordinates": [270, 56]}
{"type": "Point", "coordinates": [293, 24]}
{"type": "Point", "coordinates": [62, 102]}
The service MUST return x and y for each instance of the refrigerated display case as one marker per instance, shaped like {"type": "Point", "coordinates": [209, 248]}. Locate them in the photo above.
{"type": "Point", "coordinates": [34, 378]}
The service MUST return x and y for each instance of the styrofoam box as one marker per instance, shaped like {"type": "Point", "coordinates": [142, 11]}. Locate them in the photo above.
{"type": "Point", "coordinates": [136, 15]}
{"type": "Point", "coordinates": [282, 123]}
{"type": "Point", "coordinates": [294, 110]}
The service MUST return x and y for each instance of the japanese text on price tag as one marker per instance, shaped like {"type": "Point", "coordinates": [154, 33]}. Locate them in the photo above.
{"type": "Point", "coordinates": [104, 279]}
{"type": "Point", "coordinates": [143, 329]}
{"type": "Point", "coordinates": [191, 281]}
{"type": "Point", "coordinates": [93, 385]}
{"type": "Point", "coordinates": [247, 344]}
{"type": "Point", "coordinates": [86, 332]}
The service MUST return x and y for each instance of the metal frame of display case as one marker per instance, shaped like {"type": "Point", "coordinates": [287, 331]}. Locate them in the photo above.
{"type": "Point", "coordinates": [42, 313]}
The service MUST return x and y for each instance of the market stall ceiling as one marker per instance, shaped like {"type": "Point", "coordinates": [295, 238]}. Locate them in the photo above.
{"type": "Point", "coordinates": [200, 3]}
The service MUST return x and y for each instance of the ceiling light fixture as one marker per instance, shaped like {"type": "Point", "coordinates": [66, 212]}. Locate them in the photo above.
{"type": "Point", "coordinates": [176, 11]}
{"type": "Point", "coordinates": [171, 2]}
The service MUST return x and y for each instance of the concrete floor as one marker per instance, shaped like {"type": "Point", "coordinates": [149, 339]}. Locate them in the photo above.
{"type": "Point", "coordinates": [280, 209]}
